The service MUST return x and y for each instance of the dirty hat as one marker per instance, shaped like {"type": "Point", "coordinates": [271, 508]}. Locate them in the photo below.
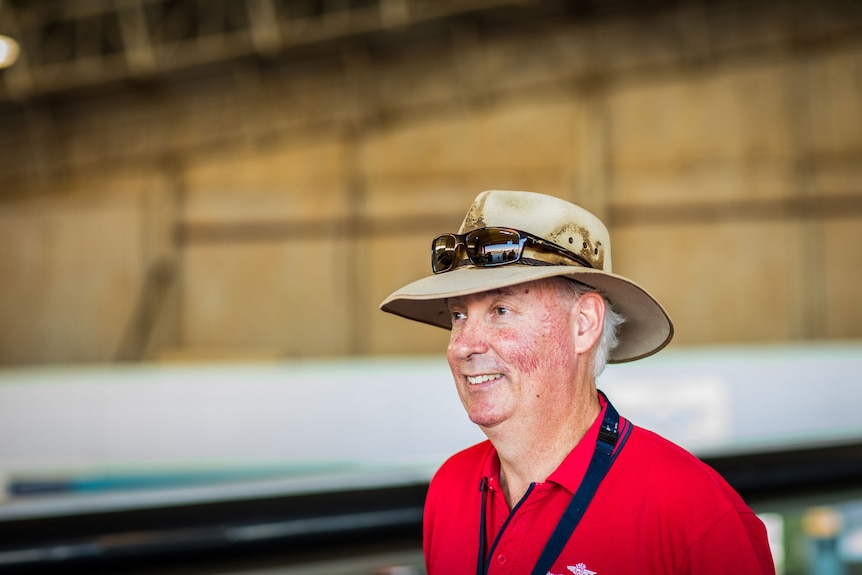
{"type": "Point", "coordinates": [541, 237]}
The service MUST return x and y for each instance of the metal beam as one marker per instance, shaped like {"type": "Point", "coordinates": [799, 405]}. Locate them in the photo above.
{"type": "Point", "coordinates": [73, 44]}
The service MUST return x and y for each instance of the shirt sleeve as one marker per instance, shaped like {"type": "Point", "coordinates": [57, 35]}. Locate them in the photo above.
{"type": "Point", "coordinates": [736, 543]}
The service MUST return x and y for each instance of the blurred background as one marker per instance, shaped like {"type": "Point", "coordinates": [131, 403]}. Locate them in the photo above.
{"type": "Point", "coordinates": [202, 203]}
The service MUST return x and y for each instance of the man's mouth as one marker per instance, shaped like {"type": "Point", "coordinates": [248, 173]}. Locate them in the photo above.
{"type": "Point", "coordinates": [477, 379]}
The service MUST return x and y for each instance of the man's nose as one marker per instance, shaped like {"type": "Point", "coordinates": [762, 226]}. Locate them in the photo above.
{"type": "Point", "coordinates": [469, 336]}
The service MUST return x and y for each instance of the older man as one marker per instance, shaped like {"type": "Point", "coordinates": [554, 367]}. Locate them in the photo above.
{"type": "Point", "coordinates": [563, 484]}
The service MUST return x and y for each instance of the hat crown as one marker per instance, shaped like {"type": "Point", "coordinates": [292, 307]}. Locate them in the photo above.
{"type": "Point", "coordinates": [567, 225]}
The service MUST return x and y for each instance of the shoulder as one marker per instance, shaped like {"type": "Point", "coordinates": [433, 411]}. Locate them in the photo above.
{"type": "Point", "coordinates": [466, 463]}
{"type": "Point", "coordinates": [658, 457]}
{"type": "Point", "coordinates": [650, 449]}
{"type": "Point", "coordinates": [675, 475]}
{"type": "Point", "coordinates": [687, 501]}
{"type": "Point", "coordinates": [452, 511]}
{"type": "Point", "coordinates": [456, 483]}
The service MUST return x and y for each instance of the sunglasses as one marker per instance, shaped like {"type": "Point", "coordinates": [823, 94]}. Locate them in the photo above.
{"type": "Point", "coordinates": [489, 247]}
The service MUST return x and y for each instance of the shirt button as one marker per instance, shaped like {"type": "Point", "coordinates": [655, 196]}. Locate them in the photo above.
{"type": "Point", "coordinates": [501, 558]}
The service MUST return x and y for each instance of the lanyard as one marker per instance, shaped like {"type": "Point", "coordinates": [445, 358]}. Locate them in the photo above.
{"type": "Point", "coordinates": [603, 456]}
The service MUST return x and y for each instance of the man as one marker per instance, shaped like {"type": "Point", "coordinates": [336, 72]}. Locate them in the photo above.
{"type": "Point", "coordinates": [563, 485]}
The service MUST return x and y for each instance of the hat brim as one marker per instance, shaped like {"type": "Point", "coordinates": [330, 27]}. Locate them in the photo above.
{"type": "Point", "coordinates": [646, 330]}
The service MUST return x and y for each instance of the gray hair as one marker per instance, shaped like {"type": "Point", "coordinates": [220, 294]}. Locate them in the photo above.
{"type": "Point", "coordinates": [610, 328]}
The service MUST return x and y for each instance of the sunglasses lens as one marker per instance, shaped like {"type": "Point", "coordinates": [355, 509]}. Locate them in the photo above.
{"type": "Point", "coordinates": [443, 250]}
{"type": "Point", "coordinates": [494, 246]}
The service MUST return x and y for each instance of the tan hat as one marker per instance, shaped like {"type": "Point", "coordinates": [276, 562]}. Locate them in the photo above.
{"type": "Point", "coordinates": [647, 327]}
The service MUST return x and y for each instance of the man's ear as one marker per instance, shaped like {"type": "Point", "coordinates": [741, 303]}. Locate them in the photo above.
{"type": "Point", "coordinates": [590, 319]}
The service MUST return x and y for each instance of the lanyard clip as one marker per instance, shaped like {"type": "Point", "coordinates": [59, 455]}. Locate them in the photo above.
{"type": "Point", "coordinates": [609, 433]}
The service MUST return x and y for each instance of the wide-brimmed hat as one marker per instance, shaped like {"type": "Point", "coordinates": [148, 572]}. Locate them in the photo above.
{"type": "Point", "coordinates": [647, 327]}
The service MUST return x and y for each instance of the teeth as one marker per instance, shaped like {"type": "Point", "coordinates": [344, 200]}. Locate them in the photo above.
{"type": "Point", "coordinates": [475, 379]}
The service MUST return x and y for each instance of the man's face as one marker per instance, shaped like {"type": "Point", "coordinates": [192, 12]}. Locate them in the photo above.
{"type": "Point", "coordinates": [512, 352]}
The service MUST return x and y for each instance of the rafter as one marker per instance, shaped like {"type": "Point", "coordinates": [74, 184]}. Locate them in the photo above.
{"type": "Point", "coordinates": [70, 44]}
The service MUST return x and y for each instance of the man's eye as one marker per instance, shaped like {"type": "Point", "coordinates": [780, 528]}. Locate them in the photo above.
{"type": "Point", "coordinates": [456, 315]}
{"type": "Point", "coordinates": [501, 310]}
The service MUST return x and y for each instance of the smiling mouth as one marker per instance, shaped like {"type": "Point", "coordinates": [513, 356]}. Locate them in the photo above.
{"type": "Point", "coordinates": [477, 379]}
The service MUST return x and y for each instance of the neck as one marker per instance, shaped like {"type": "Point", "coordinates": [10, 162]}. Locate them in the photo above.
{"type": "Point", "coordinates": [530, 453]}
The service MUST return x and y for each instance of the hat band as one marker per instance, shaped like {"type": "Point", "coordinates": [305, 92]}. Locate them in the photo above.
{"type": "Point", "coordinates": [491, 247]}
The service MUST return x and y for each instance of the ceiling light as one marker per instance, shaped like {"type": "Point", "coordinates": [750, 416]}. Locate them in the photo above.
{"type": "Point", "coordinates": [8, 51]}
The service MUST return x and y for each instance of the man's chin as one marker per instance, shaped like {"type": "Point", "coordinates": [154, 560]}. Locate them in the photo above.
{"type": "Point", "coordinates": [486, 422]}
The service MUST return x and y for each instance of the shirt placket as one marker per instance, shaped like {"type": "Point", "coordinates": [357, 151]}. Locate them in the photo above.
{"type": "Point", "coordinates": [516, 544]}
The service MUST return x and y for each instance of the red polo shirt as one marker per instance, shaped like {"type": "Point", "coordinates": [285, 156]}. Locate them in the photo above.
{"type": "Point", "coordinates": [658, 511]}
